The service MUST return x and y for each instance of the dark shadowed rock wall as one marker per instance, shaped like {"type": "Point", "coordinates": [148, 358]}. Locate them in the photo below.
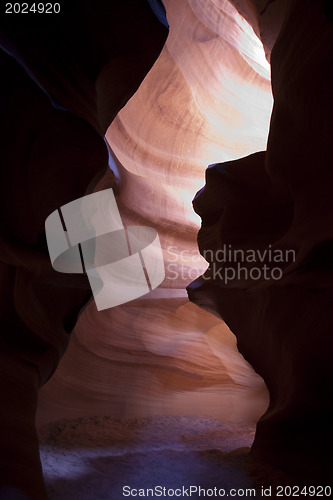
{"type": "Point", "coordinates": [281, 200]}
{"type": "Point", "coordinates": [63, 79]}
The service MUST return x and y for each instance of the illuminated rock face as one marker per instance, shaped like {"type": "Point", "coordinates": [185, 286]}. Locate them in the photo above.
{"type": "Point", "coordinates": [163, 355]}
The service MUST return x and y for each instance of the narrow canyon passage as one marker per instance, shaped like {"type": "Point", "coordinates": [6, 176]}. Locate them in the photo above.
{"type": "Point", "coordinates": [161, 354]}
{"type": "Point", "coordinates": [159, 391]}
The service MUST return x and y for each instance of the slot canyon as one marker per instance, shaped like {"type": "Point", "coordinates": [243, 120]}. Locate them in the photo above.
{"type": "Point", "coordinates": [210, 121]}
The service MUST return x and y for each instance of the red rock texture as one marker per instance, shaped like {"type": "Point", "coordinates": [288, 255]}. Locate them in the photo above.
{"type": "Point", "coordinates": [63, 82]}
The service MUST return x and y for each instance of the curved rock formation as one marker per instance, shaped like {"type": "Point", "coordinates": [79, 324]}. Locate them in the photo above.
{"type": "Point", "coordinates": [183, 359]}
{"type": "Point", "coordinates": [206, 98]}
{"type": "Point", "coordinates": [280, 201]}
{"type": "Point", "coordinates": [50, 155]}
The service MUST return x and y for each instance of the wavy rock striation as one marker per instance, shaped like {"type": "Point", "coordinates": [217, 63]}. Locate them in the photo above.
{"type": "Point", "coordinates": [162, 355]}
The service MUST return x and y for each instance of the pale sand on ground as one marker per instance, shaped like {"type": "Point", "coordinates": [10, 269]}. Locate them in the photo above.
{"type": "Point", "coordinates": [94, 458]}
